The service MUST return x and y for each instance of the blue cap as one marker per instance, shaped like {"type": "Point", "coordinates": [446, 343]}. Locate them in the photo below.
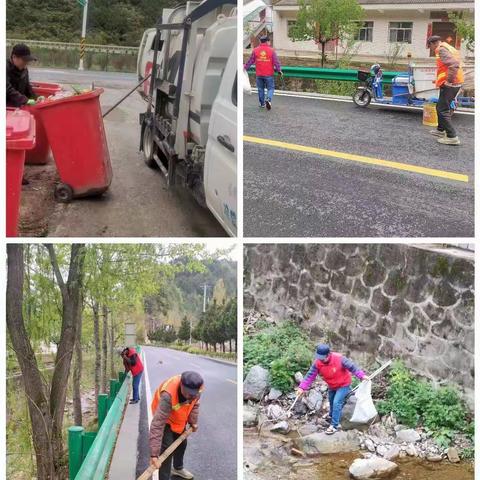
{"type": "Point", "coordinates": [264, 39]}
{"type": "Point", "coordinates": [323, 351]}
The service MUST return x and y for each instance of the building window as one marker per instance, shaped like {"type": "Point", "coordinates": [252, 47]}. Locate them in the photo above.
{"type": "Point", "coordinates": [290, 24]}
{"type": "Point", "coordinates": [400, 32]}
{"type": "Point", "coordinates": [365, 32]}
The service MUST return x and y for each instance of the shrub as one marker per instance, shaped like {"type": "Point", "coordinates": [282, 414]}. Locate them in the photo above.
{"type": "Point", "coordinates": [414, 402]}
{"type": "Point", "coordinates": [283, 350]}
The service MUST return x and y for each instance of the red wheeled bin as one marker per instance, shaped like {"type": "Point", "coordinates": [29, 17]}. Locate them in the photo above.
{"type": "Point", "coordinates": [20, 137]}
{"type": "Point", "coordinates": [39, 154]}
{"type": "Point", "coordinates": [76, 135]}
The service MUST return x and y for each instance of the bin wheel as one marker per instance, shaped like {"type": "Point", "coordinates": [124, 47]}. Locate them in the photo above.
{"type": "Point", "coordinates": [362, 98]}
{"type": "Point", "coordinates": [148, 148]}
{"type": "Point", "coordinates": [64, 193]}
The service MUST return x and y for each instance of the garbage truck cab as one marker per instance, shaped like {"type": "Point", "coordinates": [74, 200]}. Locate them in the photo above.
{"type": "Point", "coordinates": [189, 129]}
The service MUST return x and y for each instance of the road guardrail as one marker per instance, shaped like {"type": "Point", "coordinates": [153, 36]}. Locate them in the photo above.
{"type": "Point", "coordinates": [74, 46]}
{"type": "Point", "coordinates": [316, 73]}
{"type": "Point", "coordinates": [90, 452]}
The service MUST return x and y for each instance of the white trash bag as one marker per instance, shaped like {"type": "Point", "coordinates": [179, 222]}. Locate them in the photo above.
{"type": "Point", "coordinates": [364, 408]}
{"type": "Point", "coordinates": [247, 88]}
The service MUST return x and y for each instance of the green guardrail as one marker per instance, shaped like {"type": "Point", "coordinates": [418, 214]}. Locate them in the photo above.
{"type": "Point", "coordinates": [337, 74]}
{"type": "Point", "coordinates": [90, 452]}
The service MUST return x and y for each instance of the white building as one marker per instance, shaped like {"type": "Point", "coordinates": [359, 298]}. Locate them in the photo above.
{"type": "Point", "coordinates": [387, 23]}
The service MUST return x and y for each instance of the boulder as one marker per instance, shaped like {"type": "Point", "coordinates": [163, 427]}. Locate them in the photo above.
{"type": "Point", "coordinates": [393, 453]}
{"type": "Point", "coordinates": [256, 383]}
{"type": "Point", "coordinates": [452, 455]}
{"type": "Point", "coordinates": [347, 413]}
{"type": "Point", "coordinates": [369, 445]}
{"type": "Point", "coordinates": [411, 450]}
{"type": "Point", "coordinates": [250, 416]}
{"type": "Point", "coordinates": [298, 377]}
{"type": "Point", "coordinates": [275, 412]}
{"type": "Point", "coordinates": [281, 427]}
{"type": "Point", "coordinates": [314, 400]}
{"type": "Point", "coordinates": [274, 394]}
{"type": "Point", "coordinates": [320, 443]}
{"type": "Point", "coordinates": [373, 467]}
{"type": "Point", "coordinates": [408, 436]}
{"type": "Point", "coordinates": [434, 458]}
{"type": "Point", "coordinates": [307, 429]}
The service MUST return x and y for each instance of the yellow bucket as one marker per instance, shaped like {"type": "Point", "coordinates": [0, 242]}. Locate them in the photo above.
{"type": "Point", "coordinates": [430, 118]}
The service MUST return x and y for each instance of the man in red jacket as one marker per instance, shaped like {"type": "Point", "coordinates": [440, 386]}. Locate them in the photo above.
{"type": "Point", "coordinates": [336, 370]}
{"type": "Point", "coordinates": [133, 364]}
{"type": "Point", "coordinates": [266, 64]}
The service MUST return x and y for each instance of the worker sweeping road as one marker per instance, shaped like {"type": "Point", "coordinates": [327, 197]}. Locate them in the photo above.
{"type": "Point", "coordinates": [336, 370]}
{"type": "Point", "coordinates": [449, 80]}
{"type": "Point", "coordinates": [266, 64]}
{"type": "Point", "coordinates": [133, 364]}
{"type": "Point", "coordinates": [175, 404]}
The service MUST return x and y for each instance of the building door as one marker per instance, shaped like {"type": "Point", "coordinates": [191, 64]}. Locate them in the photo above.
{"type": "Point", "coordinates": [445, 30]}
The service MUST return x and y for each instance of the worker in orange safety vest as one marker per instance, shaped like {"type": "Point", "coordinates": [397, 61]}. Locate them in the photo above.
{"type": "Point", "coordinates": [449, 80]}
{"type": "Point", "coordinates": [175, 404]}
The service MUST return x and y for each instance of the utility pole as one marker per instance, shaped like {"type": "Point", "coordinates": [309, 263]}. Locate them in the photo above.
{"type": "Point", "coordinates": [204, 297]}
{"type": "Point", "coordinates": [84, 32]}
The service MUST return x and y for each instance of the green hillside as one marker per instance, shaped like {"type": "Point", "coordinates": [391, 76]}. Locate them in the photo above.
{"type": "Point", "coordinates": [116, 22]}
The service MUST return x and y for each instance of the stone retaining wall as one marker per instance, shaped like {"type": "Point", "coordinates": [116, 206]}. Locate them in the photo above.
{"type": "Point", "coordinates": [374, 301]}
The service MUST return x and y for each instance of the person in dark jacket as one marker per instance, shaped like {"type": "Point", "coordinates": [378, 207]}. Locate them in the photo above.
{"type": "Point", "coordinates": [133, 364]}
{"type": "Point", "coordinates": [19, 88]}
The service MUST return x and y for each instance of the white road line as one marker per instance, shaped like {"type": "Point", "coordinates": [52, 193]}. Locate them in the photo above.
{"type": "Point", "coordinates": [283, 93]}
{"type": "Point", "coordinates": [149, 399]}
{"type": "Point", "coordinates": [231, 381]}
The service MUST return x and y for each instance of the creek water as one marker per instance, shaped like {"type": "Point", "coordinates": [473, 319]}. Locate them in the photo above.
{"type": "Point", "coordinates": [335, 467]}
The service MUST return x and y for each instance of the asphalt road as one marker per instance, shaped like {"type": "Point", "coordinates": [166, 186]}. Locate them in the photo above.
{"type": "Point", "coordinates": [212, 451]}
{"type": "Point", "coordinates": [294, 193]}
{"type": "Point", "coordinates": [138, 203]}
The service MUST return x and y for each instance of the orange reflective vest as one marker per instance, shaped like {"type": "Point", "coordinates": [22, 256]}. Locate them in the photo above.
{"type": "Point", "coordinates": [442, 69]}
{"type": "Point", "coordinates": [180, 411]}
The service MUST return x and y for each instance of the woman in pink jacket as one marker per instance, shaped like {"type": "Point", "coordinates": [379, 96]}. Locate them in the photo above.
{"type": "Point", "coordinates": [336, 370]}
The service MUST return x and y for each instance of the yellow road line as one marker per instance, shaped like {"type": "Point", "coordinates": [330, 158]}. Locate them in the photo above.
{"type": "Point", "coordinates": [433, 172]}
{"type": "Point", "coordinates": [231, 381]}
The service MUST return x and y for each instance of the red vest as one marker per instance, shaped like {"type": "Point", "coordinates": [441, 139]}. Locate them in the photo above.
{"type": "Point", "coordinates": [138, 367]}
{"type": "Point", "coordinates": [333, 372]}
{"type": "Point", "coordinates": [263, 61]}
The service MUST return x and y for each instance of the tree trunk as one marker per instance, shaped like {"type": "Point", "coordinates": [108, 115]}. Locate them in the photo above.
{"type": "Point", "coordinates": [71, 307]}
{"type": "Point", "coordinates": [77, 375]}
{"type": "Point", "coordinates": [104, 348]}
{"type": "Point", "coordinates": [323, 54]}
{"type": "Point", "coordinates": [113, 373]}
{"type": "Point", "coordinates": [98, 353]}
{"type": "Point", "coordinates": [35, 391]}
{"type": "Point", "coordinates": [230, 345]}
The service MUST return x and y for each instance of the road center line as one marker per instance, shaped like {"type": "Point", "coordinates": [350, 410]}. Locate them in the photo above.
{"type": "Point", "coordinates": [432, 172]}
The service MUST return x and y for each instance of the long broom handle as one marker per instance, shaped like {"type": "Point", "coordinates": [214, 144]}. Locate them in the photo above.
{"type": "Point", "coordinates": [151, 469]}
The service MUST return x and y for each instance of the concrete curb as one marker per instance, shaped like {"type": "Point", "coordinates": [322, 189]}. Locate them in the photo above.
{"type": "Point", "coordinates": [218, 360]}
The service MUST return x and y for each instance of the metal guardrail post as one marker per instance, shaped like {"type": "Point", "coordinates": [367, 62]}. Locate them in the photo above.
{"type": "Point", "coordinates": [75, 440]}
{"type": "Point", "coordinates": [113, 387]}
{"type": "Point", "coordinates": [102, 408]}
{"type": "Point", "coordinates": [96, 462]}
{"type": "Point", "coordinates": [87, 440]}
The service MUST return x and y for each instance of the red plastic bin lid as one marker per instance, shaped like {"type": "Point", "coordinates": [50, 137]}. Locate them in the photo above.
{"type": "Point", "coordinates": [20, 129]}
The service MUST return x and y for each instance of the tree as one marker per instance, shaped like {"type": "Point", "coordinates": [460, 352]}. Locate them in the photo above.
{"type": "Point", "coordinates": [326, 20]}
{"type": "Point", "coordinates": [465, 29]}
{"type": "Point", "coordinates": [46, 404]}
{"type": "Point", "coordinates": [184, 330]}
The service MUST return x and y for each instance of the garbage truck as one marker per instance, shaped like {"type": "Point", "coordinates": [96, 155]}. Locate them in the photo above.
{"type": "Point", "coordinates": [189, 128]}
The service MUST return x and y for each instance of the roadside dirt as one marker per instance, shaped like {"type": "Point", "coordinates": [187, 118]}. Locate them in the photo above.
{"type": "Point", "coordinates": [38, 202]}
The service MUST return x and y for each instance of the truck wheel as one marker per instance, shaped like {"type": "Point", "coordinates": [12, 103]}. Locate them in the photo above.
{"type": "Point", "coordinates": [148, 148]}
{"type": "Point", "coordinates": [362, 98]}
{"type": "Point", "coordinates": [64, 193]}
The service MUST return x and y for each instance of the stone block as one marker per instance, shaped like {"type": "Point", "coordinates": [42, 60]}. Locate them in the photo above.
{"type": "Point", "coordinates": [335, 259]}
{"type": "Point", "coordinates": [380, 303]}
{"type": "Point", "coordinates": [374, 274]}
